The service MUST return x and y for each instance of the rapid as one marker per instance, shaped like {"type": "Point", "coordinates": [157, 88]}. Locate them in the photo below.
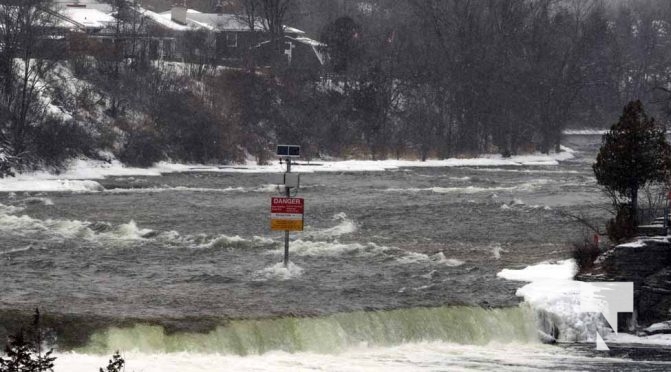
{"type": "Point", "coordinates": [396, 269]}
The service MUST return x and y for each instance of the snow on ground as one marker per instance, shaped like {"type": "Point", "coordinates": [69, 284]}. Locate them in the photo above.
{"type": "Point", "coordinates": [384, 165]}
{"type": "Point", "coordinates": [626, 338]}
{"type": "Point", "coordinates": [550, 271]}
{"type": "Point", "coordinates": [553, 291]}
{"type": "Point", "coordinates": [80, 174]}
{"type": "Point", "coordinates": [641, 242]}
{"type": "Point", "coordinates": [585, 132]}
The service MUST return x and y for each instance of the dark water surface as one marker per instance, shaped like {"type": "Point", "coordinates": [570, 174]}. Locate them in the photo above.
{"type": "Point", "coordinates": [192, 254]}
{"type": "Point", "coordinates": [199, 244]}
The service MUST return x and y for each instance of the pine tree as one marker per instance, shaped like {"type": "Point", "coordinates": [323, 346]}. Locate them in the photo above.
{"type": "Point", "coordinates": [634, 153]}
{"type": "Point", "coordinates": [115, 364]}
{"type": "Point", "coordinates": [24, 351]}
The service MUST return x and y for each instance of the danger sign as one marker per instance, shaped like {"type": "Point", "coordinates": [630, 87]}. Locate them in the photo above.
{"type": "Point", "coordinates": [286, 214]}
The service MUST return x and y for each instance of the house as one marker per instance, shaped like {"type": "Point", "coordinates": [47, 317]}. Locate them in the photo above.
{"type": "Point", "coordinates": [232, 38]}
{"type": "Point", "coordinates": [181, 34]}
{"type": "Point", "coordinates": [298, 52]}
{"type": "Point", "coordinates": [92, 27]}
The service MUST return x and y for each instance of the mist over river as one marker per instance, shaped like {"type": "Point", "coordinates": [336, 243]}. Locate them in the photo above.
{"type": "Point", "coordinates": [396, 270]}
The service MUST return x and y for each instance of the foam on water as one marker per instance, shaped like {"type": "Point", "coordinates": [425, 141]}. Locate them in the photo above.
{"type": "Point", "coordinates": [517, 202]}
{"type": "Point", "coordinates": [331, 249]}
{"type": "Point", "coordinates": [449, 190]}
{"type": "Point", "coordinates": [330, 334]}
{"type": "Point", "coordinates": [497, 250]}
{"type": "Point", "coordinates": [38, 200]}
{"type": "Point", "coordinates": [279, 272]}
{"type": "Point", "coordinates": [344, 227]}
{"type": "Point", "coordinates": [452, 262]}
{"type": "Point", "coordinates": [26, 225]}
{"type": "Point", "coordinates": [70, 229]}
{"type": "Point", "coordinates": [526, 187]}
{"type": "Point", "coordinates": [127, 231]}
{"type": "Point", "coordinates": [225, 241]}
{"type": "Point", "coordinates": [17, 250]}
{"type": "Point", "coordinates": [227, 190]}
{"type": "Point", "coordinates": [149, 190]}
{"type": "Point", "coordinates": [105, 234]}
{"type": "Point", "coordinates": [10, 209]}
{"type": "Point", "coordinates": [523, 171]}
{"type": "Point", "coordinates": [46, 185]}
{"type": "Point", "coordinates": [411, 356]}
{"type": "Point", "coordinates": [438, 258]}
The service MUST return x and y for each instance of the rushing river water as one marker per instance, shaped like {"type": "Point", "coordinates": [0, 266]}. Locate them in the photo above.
{"type": "Point", "coordinates": [396, 270]}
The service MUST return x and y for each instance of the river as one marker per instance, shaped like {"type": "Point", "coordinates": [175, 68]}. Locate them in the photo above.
{"type": "Point", "coordinates": [396, 269]}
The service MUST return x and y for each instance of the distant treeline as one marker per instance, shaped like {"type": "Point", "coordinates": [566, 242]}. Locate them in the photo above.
{"type": "Point", "coordinates": [412, 78]}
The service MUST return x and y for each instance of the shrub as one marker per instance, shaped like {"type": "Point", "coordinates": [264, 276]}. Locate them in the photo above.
{"type": "Point", "coordinates": [5, 164]}
{"type": "Point", "coordinates": [585, 254]}
{"type": "Point", "coordinates": [54, 142]}
{"type": "Point", "coordinates": [142, 149]}
{"type": "Point", "coordinates": [623, 226]}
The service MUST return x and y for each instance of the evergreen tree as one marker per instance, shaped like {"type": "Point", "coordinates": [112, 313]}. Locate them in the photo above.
{"type": "Point", "coordinates": [115, 364]}
{"type": "Point", "coordinates": [634, 153]}
{"type": "Point", "coordinates": [24, 351]}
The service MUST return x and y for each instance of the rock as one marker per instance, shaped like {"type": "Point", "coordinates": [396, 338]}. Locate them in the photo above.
{"type": "Point", "coordinates": [546, 338]}
{"type": "Point", "coordinates": [652, 230]}
{"type": "Point", "coordinates": [634, 262]}
{"type": "Point", "coordinates": [646, 263]}
{"type": "Point", "coordinates": [658, 328]}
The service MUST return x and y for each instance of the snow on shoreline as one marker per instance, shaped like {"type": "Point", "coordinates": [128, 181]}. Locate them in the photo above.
{"type": "Point", "coordinates": [81, 175]}
{"type": "Point", "coordinates": [585, 132]}
{"type": "Point", "coordinates": [552, 290]}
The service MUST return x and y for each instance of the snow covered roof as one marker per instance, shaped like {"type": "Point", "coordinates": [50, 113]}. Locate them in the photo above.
{"type": "Point", "coordinates": [219, 22]}
{"type": "Point", "coordinates": [318, 48]}
{"type": "Point", "coordinates": [188, 11]}
{"type": "Point", "coordinates": [196, 20]}
{"type": "Point", "coordinates": [164, 20]}
{"type": "Point", "coordinates": [88, 4]}
{"type": "Point", "coordinates": [90, 18]}
{"type": "Point", "coordinates": [292, 30]}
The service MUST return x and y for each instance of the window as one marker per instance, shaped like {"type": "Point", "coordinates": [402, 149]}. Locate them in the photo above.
{"type": "Point", "coordinates": [232, 39]}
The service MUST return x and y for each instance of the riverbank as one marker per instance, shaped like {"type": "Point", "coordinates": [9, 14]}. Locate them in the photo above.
{"type": "Point", "coordinates": [647, 263]}
{"type": "Point", "coordinates": [81, 175]}
{"type": "Point", "coordinates": [554, 293]}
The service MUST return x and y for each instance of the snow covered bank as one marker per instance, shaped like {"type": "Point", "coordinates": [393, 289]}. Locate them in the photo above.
{"type": "Point", "coordinates": [80, 175]}
{"type": "Point", "coordinates": [585, 132]}
{"type": "Point", "coordinates": [384, 165]}
{"type": "Point", "coordinates": [555, 297]}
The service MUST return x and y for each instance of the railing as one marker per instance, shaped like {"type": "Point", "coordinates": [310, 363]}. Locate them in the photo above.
{"type": "Point", "coordinates": [647, 216]}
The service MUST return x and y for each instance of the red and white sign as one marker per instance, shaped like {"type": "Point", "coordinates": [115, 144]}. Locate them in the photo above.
{"type": "Point", "coordinates": [286, 214]}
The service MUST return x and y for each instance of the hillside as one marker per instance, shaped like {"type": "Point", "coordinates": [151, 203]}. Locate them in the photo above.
{"type": "Point", "coordinates": [383, 83]}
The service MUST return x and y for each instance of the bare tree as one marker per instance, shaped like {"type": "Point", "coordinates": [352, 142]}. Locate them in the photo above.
{"type": "Point", "coordinates": [270, 14]}
{"type": "Point", "coordinates": [24, 30]}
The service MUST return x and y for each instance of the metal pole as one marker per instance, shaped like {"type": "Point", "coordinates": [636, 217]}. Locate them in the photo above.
{"type": "Point", "coordinates": [286, 232]}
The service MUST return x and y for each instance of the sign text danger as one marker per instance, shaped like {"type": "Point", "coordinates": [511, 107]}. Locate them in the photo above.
{"type": "Point", "coordinates": [286, 214]}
